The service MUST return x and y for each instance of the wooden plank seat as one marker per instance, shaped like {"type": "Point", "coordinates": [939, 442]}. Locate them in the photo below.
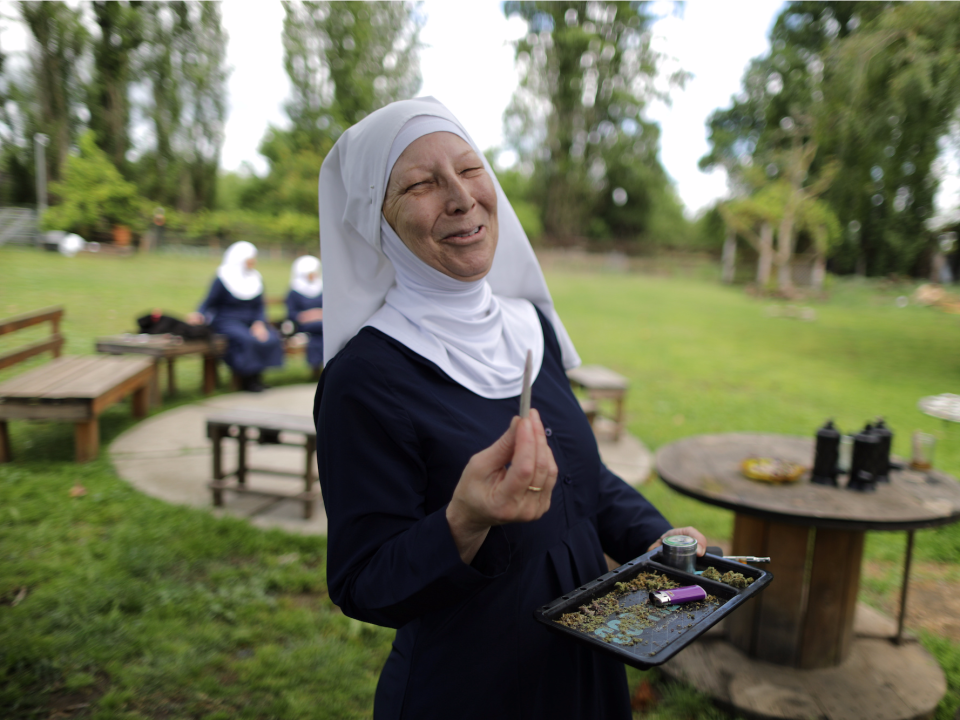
{"type": "Point", "coordinates": [78, 390]}
{"type": "Point", "coordinates": [601, 383]}
{"type": "Point", "coordinates": [235, 424]}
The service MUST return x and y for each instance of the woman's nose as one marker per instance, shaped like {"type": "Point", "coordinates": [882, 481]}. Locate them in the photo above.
{"type": "Point", "coordinates": [459, 199]}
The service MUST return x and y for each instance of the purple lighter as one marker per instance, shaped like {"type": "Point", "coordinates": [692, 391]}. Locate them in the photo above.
{"type": "Point", "coordinates": [678, 596]}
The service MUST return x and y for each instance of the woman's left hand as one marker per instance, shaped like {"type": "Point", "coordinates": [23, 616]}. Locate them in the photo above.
{"type": "Point", "coordinates": [259, 331]}
{"type": "Point", "coordinates": [691, 531]}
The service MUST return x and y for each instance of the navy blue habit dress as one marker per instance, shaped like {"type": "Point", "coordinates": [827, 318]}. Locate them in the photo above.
{"type": "Point", "coordinates": [296, 304]}
{"type": "Point", "coordinates": [230, 316]}
{"type": "Point", "coordinates": [395, 433]}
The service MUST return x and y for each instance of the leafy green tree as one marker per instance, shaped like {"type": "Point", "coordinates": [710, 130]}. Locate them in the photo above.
{"type": "Point", "coordinates": [344, 60]}
{"type": "Point", "coordinates": [878, 84]}
{"type": "Point", "coordinates": [587, 73]}
{"type": "Point", "coordinates": [48, 101]}
{"type": "Point", "coordinates": [183, 62]}
{"type": "Point", "coordinates": [120, 34]}
{"type": "Point", "coordinates": [93, 195]}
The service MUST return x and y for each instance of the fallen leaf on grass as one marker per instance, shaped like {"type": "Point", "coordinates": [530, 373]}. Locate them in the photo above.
{"type": "Point", "coordinates": [78, 490]}
{"type": "Point", "coordinates": [644, 698]}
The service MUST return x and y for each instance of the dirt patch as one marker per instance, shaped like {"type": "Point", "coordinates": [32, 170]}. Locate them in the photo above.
{"type": "Point", "coordinates": [933, 599]}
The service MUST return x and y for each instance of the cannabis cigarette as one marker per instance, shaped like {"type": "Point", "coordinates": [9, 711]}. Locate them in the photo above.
{"type": "Point", "coordinates": [747, 558]}
{"type": "Point", "coordinates": [677, 596]}
{"type": "Point", "coordinates": [525, 393]}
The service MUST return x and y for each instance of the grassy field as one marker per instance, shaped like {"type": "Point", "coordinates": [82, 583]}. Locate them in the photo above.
{"type": "Point", "coordinates": [114, 605]}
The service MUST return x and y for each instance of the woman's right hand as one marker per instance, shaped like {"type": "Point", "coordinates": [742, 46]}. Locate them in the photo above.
{"type": "Point", "coordinates": [196, 318]}
{"type": "Point", "coordinates": [491, 493]}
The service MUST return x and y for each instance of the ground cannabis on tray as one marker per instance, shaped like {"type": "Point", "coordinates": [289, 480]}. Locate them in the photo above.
{"type": "Point", "coordinates": [731, 578]}
{"type": "Point", "coordinates": [604, 619]}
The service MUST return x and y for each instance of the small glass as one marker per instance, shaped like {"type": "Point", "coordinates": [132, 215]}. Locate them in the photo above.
{"type": "Point", "coordinates": [922, 446]}
{"type": "Point", "coordinates": [846, 453]}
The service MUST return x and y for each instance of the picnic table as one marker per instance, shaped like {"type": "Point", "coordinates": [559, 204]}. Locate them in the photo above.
{"type": "Point", "coordinates": [169, 348]}
{"type": "Point", "coordinates": [234, 424]}
{"type": "Point", "coordinates": [804, 621]}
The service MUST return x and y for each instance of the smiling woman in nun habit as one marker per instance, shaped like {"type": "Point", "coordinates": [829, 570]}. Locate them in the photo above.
{"type": "Point", "coordinates": [450, 518]}
{"type": "Point", "coordinates": [305, 305]}
{"type": "Point", "coordinates": [234, 307]}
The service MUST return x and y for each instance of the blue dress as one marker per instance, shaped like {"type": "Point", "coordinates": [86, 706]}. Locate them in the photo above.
{"type": "Point", "coordinates": [227, 315]}
{"type": "Point", "coordinates": [395, 433]}
{"type": "Point", "coordinates": [296, 304]}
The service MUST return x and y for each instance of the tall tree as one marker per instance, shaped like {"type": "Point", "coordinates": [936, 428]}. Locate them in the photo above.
{"type": "Point", "coordinates": [879, 83]}
{"type": "Point", "coordinates": [49, 101]}
{"type": "Point", "coordinates": [587, 73]}
{"type": "Point", "coordinates": [120, 34]}
{"type": "Point", "coordinates": [346, 59]}
{"type": "Point", "coordinates": [183, 62]}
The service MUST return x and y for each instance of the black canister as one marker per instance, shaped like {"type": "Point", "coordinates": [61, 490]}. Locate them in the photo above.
{"type": "Point", "coordinates": [826, 454]}
{"type": "Point", "coordinates": [863, 465]}
{"type": "Point", "coordinates": [883, 460]}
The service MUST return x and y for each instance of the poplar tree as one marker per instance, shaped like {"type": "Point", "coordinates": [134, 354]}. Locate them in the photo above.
{"type": "Point", "coordinates": [588, 72]}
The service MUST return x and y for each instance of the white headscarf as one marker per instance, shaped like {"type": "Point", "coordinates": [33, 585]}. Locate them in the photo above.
{"type": "Point", "coordinates": [240, 281]}
{"type": "Point", "coordinates": [300, 276]}
{"type": "Point", "coordinates": [477, 332]}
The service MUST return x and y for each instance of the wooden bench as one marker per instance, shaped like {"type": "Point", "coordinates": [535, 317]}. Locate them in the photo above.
{"type": "Point", "coordinates": [601, 383]}
{"type": "Point", "coordinates": [169, 348]}
{"type": "Point", "coordinates": [73, 389]}
{"type": "Point", "coordinates": [235, 424]}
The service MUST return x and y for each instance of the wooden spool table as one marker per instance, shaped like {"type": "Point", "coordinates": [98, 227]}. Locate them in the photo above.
{"type": "Point", "coordinates": [805, 620]}
{"type": "Point", "coordinates": [169, 348]}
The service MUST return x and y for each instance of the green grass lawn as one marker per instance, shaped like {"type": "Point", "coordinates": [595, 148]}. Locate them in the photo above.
{"type": "Point", "coordinates": [135, 609]}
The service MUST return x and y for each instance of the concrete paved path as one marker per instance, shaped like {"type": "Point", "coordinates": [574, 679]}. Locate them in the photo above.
{"type": "Point", "coordinates": [168, 457]}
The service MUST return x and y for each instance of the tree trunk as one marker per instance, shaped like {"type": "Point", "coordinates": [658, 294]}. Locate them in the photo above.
{"type": "Point", "coordinates": [819, 272]}
{"type": "Point", "coordinates": [785, 251]}
{"type": "Point", "coordinates": [729, 258]}
{"type": "Point", "coordinates": [766, 255]}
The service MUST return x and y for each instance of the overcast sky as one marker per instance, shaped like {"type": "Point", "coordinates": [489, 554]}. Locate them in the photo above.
{"type": "Point", "coordinates": [468, 65]}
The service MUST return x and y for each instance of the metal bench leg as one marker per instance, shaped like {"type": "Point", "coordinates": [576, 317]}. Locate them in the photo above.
{"type": "Point", "coordinates": [87, 440]}
{"type": "Point", "coordinates": [308, 476]}
{"type": "Point", "coordinates": [6, 452]}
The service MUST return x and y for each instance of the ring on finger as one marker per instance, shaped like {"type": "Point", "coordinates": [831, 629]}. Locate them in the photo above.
{"type": "Point", "coordinates": [531, 488]}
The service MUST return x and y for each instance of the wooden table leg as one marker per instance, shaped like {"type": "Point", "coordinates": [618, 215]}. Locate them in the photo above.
{"type": "Point", "coordinates": [834, 580]}
{"type": "Point", "coordinates": [215, 433]}
{"type": "Point", "coordinates": [87, 440]}
{"type": "Point", "coordinates": [156, 398]}
{"type": "Point", "coordinates": [241, 456]}
{"type": "Point", "coordinates": [619, 418]}
{"type": "Point", "coordinates": [210, 379]}
{"type": "Point", "coordinates": [171, 378]}
{"type": "Point", "coordinates": [777, 624]}
{"type": "Point", "coordinates": [141, 400]}
{"type": "Point", "coordinates": [804, 619]}
{"type": "Point", "coordinates": [6, 452]}
{"type": "Point", "coordinates": [308, 475]}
